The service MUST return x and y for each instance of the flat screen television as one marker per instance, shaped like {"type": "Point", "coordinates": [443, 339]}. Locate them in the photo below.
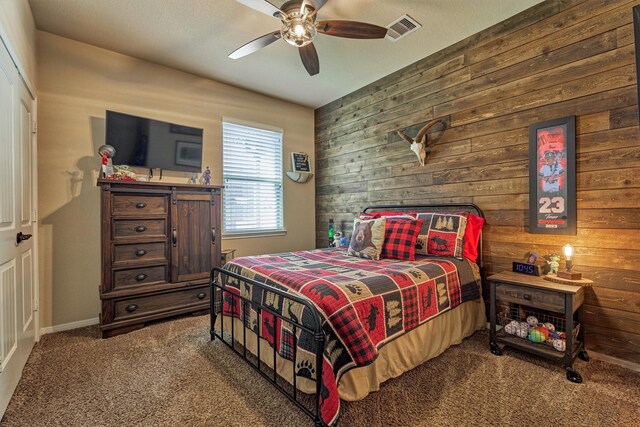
{"type": "Point", "coordinates": [153, 144]}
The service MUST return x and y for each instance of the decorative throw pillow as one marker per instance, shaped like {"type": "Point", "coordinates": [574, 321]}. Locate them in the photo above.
{"type": "Point", "coordinates": [472, 237]}
{"type": "Point", "coordinates": [400, 238]}
{"type": "Point", "coordinates": [387, 214]}
{"type": "Point", "coordinates": [442, 234]}
{"type": "Point", "coordinates": [367, 238]}
{"type": "Point", "coordinates": [364, 215]}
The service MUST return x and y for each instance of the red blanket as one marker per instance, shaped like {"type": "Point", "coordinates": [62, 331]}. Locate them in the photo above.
{"type": "Point", "coordinates": [364, 304]}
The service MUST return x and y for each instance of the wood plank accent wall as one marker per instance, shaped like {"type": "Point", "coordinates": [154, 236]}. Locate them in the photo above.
{"type": "Point", "coordinates": [559, 58]}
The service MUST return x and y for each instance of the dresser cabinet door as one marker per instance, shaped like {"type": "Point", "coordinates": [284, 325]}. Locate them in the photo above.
{"type": "Point", "coordinates": [194, 236]}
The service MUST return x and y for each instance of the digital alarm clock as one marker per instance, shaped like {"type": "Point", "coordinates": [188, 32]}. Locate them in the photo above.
{"type": "Point", "coordinates": [524, 268]}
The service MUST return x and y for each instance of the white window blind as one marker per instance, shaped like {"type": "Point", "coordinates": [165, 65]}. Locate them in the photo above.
{"type": "Point", "coordinates": [252, 175]}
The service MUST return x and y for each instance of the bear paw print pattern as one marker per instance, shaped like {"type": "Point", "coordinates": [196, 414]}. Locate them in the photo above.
{"type": "Point", "coordinates": [354, 288]}
{"type": "Point", "coordinates": [305, 369]}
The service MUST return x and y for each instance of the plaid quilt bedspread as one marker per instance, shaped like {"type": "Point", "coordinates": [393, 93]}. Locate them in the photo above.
{"type": "Point", "coordinates": [364, 304]}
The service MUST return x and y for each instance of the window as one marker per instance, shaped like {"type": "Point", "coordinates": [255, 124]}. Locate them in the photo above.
{"type": "Point", "coordinates": [252, 176]}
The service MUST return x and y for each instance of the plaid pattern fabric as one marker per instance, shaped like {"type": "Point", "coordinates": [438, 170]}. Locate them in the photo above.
{"type": "Point", "coordinates": [441, 234]}
{"type": "Point", "coordinates": [400, 238]}
{"type": "Point", "coordinates": [364, 304]}
{"type": "Point", "coordinates": [286, 343]}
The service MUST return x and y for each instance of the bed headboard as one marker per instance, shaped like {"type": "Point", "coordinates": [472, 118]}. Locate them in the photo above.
{"type": "Point", "coordinates": [439, 207]}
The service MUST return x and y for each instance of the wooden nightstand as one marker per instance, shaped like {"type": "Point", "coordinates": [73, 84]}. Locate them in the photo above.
{"type": "Point", "coordinates": [526, 294]}
{"type": "Point", "coordinates": [227, 255]}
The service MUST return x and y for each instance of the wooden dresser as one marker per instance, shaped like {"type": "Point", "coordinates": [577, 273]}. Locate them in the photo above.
{"type": "Point", "coordinates": [159, 244]}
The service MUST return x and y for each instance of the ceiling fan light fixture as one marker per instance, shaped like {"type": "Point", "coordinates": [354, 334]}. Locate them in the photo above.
{"type": "Point", "coordinates": [298, 32]}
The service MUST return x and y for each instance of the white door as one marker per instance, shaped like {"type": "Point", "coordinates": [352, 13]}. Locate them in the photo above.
{"type": "Point", "coordinates": [17, 253]}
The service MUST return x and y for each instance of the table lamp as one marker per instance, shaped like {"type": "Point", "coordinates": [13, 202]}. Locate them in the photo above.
{"type": "Point", "coordinates": [568, 273]}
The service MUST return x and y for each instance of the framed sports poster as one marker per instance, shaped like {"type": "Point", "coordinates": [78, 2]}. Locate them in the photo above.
{"type": "Point", "coordinates": [552, 177]}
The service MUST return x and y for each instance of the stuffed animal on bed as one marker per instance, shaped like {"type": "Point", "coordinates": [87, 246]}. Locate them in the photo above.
{"type": "Point", "coordinates": [337, 236]}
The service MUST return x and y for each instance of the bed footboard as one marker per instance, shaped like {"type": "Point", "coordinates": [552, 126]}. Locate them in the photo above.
{"type": "Point", "coordinates": [237, 340]}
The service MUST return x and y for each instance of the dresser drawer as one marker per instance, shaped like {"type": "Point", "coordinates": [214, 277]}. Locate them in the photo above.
{"type": "Point", "coordinates": [538, 298]}
{"type": "Point", "coordinates": [148, 305]}
{"type": "Point", "coordinates": [135, 253]}
{"type": "Point", "coordinates": [138, 228]}
{"type": "Point", "coordinates": [129, 204]}
{"type": "Point", "coordinates": [139, 276]}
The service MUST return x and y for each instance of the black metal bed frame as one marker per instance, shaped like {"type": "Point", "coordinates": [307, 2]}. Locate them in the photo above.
{"type": "Point", "coordinates": [315, 329]}
{"type": "Point", "coordinates": [218, 290]}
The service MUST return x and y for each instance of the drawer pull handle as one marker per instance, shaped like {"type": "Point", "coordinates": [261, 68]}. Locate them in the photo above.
{"type": "Point", "coordinates": [141, 205]}
{"type": "Point", "coordinates": [213, 236]}
{"type": "Point", "coordinates": [141, 228]}
{"type": "Point", "coordinates": [141, 277]}
{"type": "Point", "coordinates": [131, 308]}
{"type": "Point", "coordinates": [527, 297]}
{"type": "Point", "coordinates": [141, 252]}
{"type": "Point", "coordinates": [201, 295]}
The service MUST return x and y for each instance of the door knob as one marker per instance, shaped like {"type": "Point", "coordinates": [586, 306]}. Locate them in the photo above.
{"type": "Point", "coordinates": [22, 237]}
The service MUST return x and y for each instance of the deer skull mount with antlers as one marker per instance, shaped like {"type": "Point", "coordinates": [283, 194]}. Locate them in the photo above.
{"type": "Point", "coordinates": [420, 144]}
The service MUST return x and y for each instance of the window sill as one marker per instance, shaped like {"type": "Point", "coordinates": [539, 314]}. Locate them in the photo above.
{"type": "Point", "coordinates": [233, 236]}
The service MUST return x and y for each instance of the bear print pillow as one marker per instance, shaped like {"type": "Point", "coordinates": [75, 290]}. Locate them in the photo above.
{"type": "Point", "coordinates": [367, 238]}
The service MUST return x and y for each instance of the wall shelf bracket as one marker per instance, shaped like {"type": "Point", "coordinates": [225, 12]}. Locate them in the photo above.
{"type": "Point", "coordinates": [300, 177]}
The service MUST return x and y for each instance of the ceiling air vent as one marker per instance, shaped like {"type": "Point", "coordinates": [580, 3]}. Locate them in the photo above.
{"type": "Point", "coordinates": [401, 27]}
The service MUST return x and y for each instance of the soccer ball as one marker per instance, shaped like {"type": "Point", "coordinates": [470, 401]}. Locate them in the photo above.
{"type": "Point", "coordinates": [532, 321]}
{"type": "Point", "coordinates": [549, 326]}
{"type": "Point", "coordinates": [523, 330]}
{"type": "Point", "coordinates": [511, 327]}
{"type": "Point", "coordinates": [560, 344]}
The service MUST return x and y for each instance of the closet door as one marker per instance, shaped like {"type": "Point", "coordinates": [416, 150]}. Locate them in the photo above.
{"type": "Point", "coordinates": [195, 235]}
{"type": "Point", "coordinates": [17, 254]}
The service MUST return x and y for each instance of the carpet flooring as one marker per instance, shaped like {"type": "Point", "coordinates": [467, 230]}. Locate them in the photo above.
{"type": "Point", "coordinates": [170, 374]}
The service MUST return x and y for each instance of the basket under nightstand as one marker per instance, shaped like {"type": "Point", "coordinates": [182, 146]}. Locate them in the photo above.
{"type": "Point", "coordinates": [559, 304]}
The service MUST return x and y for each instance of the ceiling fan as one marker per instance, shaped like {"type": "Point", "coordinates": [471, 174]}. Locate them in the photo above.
{"type": "Point", "coordinates": [299, 27]}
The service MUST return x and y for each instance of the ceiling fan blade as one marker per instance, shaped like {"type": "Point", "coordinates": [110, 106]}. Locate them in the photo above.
{"type": "Point", "coordinates": [255, 45]}
{"type": "Point", "coordinates": [351, 29]}
{"type": "Point", "coordinates": [309, 57]}
{"type": "Point", "coordinates": [263, 6]}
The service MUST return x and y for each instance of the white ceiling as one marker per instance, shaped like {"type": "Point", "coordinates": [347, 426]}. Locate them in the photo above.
{"type": "Point", "coordinates": [197, 35]}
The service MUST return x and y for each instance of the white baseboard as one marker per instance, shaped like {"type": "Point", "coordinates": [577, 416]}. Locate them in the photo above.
{"type": "Point", "coordinates": [69, 326]}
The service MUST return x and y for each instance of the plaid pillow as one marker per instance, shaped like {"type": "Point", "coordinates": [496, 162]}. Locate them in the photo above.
{"type": "Point", "coordinates": [400, 238]}
{"type": "Point", "coordinates": [442, 234]}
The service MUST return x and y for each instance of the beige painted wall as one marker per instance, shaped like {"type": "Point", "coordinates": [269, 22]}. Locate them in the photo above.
{"type": "Point", "coordinates": [77, 83]}
{"type": "Point", "coordinates": [16, 23]}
